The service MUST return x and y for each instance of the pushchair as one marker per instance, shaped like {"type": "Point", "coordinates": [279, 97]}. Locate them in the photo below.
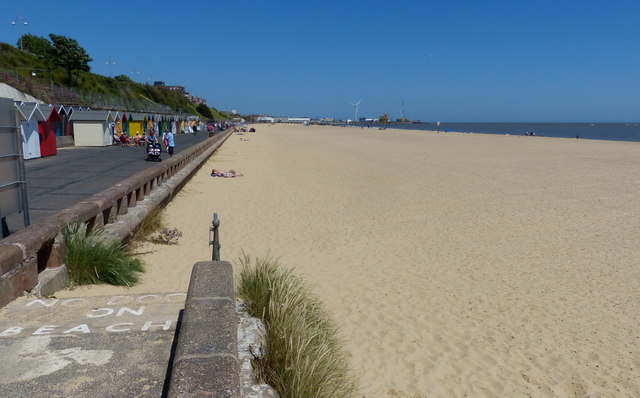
{"type": "Point", "coordinates": [153, 152]}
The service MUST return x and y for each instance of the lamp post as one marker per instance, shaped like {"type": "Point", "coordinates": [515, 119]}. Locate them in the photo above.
{"type": "Point", "coordinates": [110, 62]}
{"type": "Point", "coordinates": [135, 74]}
{"type": "Point", "coordinates": [19, 21]}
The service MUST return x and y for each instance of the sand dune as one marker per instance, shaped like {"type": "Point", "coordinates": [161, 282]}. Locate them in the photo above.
{"type": "Point", "coordinates": [455, 264]}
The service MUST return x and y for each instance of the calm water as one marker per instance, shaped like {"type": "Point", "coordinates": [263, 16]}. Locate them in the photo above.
{"type": "Point", "coordinates": [596, 131]}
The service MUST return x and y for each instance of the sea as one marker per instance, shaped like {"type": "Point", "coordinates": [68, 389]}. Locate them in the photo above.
{"type": "Point", "coordinates": [589, 131]}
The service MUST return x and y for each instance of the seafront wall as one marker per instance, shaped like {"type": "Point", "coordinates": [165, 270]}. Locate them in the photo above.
{"type": "Point", "coordinates": [37, 251]}
{"type": "Point", "coordinates": [206, 361]}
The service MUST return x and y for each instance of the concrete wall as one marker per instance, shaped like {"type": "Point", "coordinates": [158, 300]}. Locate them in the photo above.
{"type": "Point", "coordinates": [206, 360]}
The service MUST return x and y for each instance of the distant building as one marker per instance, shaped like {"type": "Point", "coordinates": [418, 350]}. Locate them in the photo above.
{"type": "Point", "coordinates": [296, 120]}
{"type": "Point", "coordinates": [195, 99]}
{"type": "Point", "coordinates": [178, 89]}
{"type": "Point", "coordinates": [265, 119]}
{"type": "Point", "coordinates": [300, 120]}
{"type": "Point", "coordinates": [183, 91]}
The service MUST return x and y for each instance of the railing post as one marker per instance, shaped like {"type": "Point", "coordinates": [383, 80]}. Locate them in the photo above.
{"type": "Point", "coordinates": [215, 255]}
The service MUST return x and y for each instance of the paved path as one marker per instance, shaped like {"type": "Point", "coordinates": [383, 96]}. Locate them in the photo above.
{"type": "Point", "coordinates": [113, 346]}
{"type": "Point", "coordinates": [57, 182]}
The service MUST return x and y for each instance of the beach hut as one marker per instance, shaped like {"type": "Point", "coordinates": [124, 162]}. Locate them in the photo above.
{"type": "Point", "coordinates": [47, 130]}
{"type": "Point", "coordinates": [125, 124]}
{"type": "Point", "coordinates": [30, 116]}
{"type": "Point", "coordinates": [161, 125]}
{"type": "Point", "coordinates": [92, 128]}
{"type": "Point", "coordinates": [67, 127]}
{"type": "Point", "coordinates": [136, 124]}
{"type": "Point", "coordinates": [156, 122]}
{"type": "Point", "coordinates": [181, 125]}
{"type": "Point", "coordinates": [117, 127]}
{"type": "Point", "coordinates": [62, 110]}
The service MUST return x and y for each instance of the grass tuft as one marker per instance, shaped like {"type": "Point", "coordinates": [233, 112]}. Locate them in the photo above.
{"type": "Point", "coordinates": [303, 353]}
{"type": "Point", "coordinates": [152, 223]}
{"type": "Point", "coordinates": [92, 260]}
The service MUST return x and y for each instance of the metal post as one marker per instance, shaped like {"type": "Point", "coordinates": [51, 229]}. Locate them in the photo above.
{"type": "Point", "coordinates": [21, 172]}
{"type": "Point", "coordinates": [215, 255]}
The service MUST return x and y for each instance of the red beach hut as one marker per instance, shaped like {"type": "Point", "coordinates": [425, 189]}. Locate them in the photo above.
{"type": "Point", "coordinates": [47, 132]}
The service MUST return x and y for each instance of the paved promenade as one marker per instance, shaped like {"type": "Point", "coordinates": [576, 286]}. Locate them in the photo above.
{"type": "Point", "coordinates": [110, 346]}
{"type": "Point", "coordinates": [57, 182]}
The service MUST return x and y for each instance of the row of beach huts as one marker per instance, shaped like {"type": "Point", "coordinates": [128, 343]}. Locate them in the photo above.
{"type": "Point", "coordinates": [46, 127]}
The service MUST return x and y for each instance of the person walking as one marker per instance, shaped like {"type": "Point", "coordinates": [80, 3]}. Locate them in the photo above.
{"type": "Point", "coordinates": [169, 142]}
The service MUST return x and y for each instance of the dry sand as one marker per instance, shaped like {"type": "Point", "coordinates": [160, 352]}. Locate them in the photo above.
{"type": "Point", "coordinates": [456, 265]}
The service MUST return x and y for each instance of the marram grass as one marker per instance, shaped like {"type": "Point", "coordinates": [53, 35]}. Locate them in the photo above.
{"type": "Point", "coordinates": [152, 223]}
{"type": "Point", "coordinates": [92, 260]}
{"type": "Point", "coordinates": [303, 355]}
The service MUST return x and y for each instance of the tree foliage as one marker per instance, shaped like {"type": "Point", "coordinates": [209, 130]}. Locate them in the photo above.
{"type": "Point", "coordinates": [384, 118]}
{"type": "Point", "coordinates": [204, 111]}
{"type": "Point", "coordinates": [35, 45]}
{"type": "Point", "coordinates": [68, 54]}
{"type": "Point", "coordinates": [120, 90]}
{"type": "Point", "coordinates": [123, 79]}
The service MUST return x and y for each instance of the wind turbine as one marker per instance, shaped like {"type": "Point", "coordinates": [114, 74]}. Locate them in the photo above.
{"type": "Point", "coordinates": [355, 118]}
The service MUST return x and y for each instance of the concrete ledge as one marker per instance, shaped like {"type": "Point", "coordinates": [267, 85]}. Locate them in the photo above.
{"type": "Point", "coordinates": [50, 281]}
{"type": "Point", "coordinates": [206, 360]}
{"type": "Point", "coordinates": [64, 141]}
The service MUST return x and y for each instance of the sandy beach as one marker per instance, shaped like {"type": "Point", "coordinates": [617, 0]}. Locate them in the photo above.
{"type": "Point", "coordinates": [455, 265]}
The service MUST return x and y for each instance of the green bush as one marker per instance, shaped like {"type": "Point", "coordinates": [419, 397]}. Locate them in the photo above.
{"type": "Point", "coordinates": [303, 353]}
{"type": "Point", "coordinates": [92, 260]}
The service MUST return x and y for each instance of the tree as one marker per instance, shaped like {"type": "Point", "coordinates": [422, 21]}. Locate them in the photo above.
{"type": "Point", "coordinates": [204, 111]}
{"type": "Point", "coordinates": [384, 118]}
{"type": "Point", "coordinates": [123, 79]}
{"type": "Point", "coordinates": [35, 45]}
{"type": "Point", "coordinates": [68, 54]}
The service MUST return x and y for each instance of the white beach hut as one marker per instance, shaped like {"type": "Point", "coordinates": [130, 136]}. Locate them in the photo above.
{"type": "Point", "coordinates": [30, 114]}
{"type": "Point", "coordinates": [92, 128]}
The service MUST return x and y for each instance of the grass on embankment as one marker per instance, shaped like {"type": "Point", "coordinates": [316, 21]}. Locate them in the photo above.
{"type": "Point", "coordinates": [92, 260]}
{"type": "Point", "coordinates": [303, 354]}
{"type": "Point", "coordinates": [152, 223]}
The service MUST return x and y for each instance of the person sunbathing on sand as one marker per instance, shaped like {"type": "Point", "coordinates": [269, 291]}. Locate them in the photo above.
{"type": "Point", "coordinates": [225, 174]}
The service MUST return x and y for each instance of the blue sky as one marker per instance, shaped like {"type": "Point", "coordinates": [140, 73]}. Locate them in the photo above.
{"type": "Point", "coordinates": [448, 61]}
